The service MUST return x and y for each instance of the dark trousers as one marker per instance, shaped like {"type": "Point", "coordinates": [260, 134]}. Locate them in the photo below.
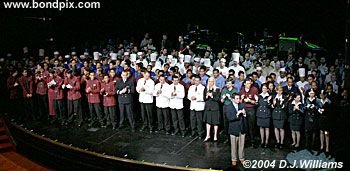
{"type": "Point", "coordinates": [197, 122]}
{"type": "Point", "coordinates": [310, 137]}
{"type": "Point", "coordinates": [28, 108]}
{"type": "Point", "coordinates": [74, 108]}
{"type": "Point", "coordinates": [251, 118]}
{"type": "Point", "coordinates": [128, 109]}
{"type": "Point", "coordinates": [13, 108]}
{"type": "Point", "coordinates": [43, 105]}
{"type": "Point", "coordinates": [177, 116]}
{"type": "Point", "coordinates": [225, 121]}
{"type": "Point", "coordinates": [96, 113]}
{"type": "Point", "coordinates": [59, 109]}
{"type": "Point", "coordinates": [146, 114]}
{"type": "Point", "coordinates": [110, 114]}
{"type": "Point", "coordinates": [163, 118]}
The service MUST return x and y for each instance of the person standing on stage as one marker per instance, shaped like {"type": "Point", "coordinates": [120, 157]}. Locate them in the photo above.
{"type": "Point", "coordinates": [311, 119]}
{"type": "Point", "coordinates": [12, 86]}
{"type": "Point", "coordinates": [263, 115]}
{"type": "Point", "coordinates": [196, 96]}
{"type": "Point", "coordinates": [162, 94]}
{"type": "Point", "coordinates": [176, 106]}
{"type": "Point", "coordinates": [279, 115]}
{"type": "Point", "coordinates": [72, 83]}
{"type": "Point", "coordinates": [145, 87]}
{"type": "Point", "coordinates": [125, 90]}
{"type": "Point", "coordinates": [236, 115]}
{"type": "Point", "coordinates": [55, 83]}
{"type": "Point", "coordinates": [296, 118]}
{"type": "Point", "coordinates": [225, 99]}
{"type": "Point", "coordinates": [93, 88]}
{"type": "Point", "coordinates": [26, 83]}
{"type": "Point", "coordinates": [109, 101]}
{"type": "Point", "coordinates": [212, 108]}
{"type": "Point", "coordinates": [249, 96]}
{"type": "Point", "coordinates": [324, 110]}
{"type": "Point", "coordinates": [41, 93]}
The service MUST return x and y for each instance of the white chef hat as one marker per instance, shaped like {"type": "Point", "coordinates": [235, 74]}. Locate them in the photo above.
{"type": "Point", "coordinates": [133, 57]}
{"type": "Point", "coordinates": [96, 56]}
{"type": "Point", "coordinates": [86, 53]}
{"type": "Point", "coordinates": [258, 68]}
{"type": "Point", "coordinates": [126, 53]}
{"type": "Point", "coordinates": [67, 56]}
{"type": "Point", "coordinates": [139, 53]}
{"type": "Point", "coordinates": [182, 56]}
{"type": "Point", "coordinates": [207, 62]}
{"type": "Point", "coordinates": [223, 60]}
{"type": "Point", "coordinates": [153, 57]}
{"type": "Point", "coordinates": [282, 69]}
{"type": "Point", "coordinates": [56, 53]}
{"type": "Point", "coordinates": [74, 53]}
{"type": "Point", "coordinates": [196, 59]}
{"type": "Point", "coordinates": [236, 57]}
{"type": "Point", "coordinates": [9, 55]}
{"type": "Point", "coordinates": [170, 57]}
{"type": "Point", "coordinates": [25, 49]}
{"type": "Point", "coordinates": [301, 72]}
{"type": "Point", "coordinates": [113, 56]}
{"type": "Point", "coordinates": [82, 56]}
{"type": "Point", "coordinates": [187, 58]}
{"type": "Point", "coordinates": [41, 52]}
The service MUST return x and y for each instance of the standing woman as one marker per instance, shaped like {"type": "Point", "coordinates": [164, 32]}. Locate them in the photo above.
{"type": "Point", "coordinates": [296, 115]}
{"type": "Point", "coordinates": [324, 110]}
{"type": "Point", "coordinates": [272, 88]}
{"type": "Point", "coordinates": [212, 108]}
{"type": "Point", "coordinates": [279, 115]}
{"type": "Point", "coordinates": [263, 115]}
{"type": "Point", "coordinates": [311, 119]}
{"type": "Point", "coordinates": [51, 95]}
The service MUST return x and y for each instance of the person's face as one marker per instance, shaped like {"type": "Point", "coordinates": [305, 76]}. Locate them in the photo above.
{"type": "Point", "coordinates": [247, 56]}
{"type": "Point", "coordinates": [149, 68]}
{"type": "Point", "coordinates": [111, 66]}
{"type": "Point", "coordinates": [117, 63]}
{"type": "Point", "coordinates": [196, 81]}
{"type": "Point", "coordinates": [98, 65]}
{"type": "Point", "coordinates": [166, 67]}
{"type": "Point", "coordinates": [297, 98]}
{"type": "Point", "coordinates": [92, 75]}
{"type": "Point", "coordinates": [69, 75]}
{"type": "Point", "coordinates": [290, 82]}
{"type": "Point", "coordinates": [314, 85]}
{"type": "Point", "coordinates": [46, 66]}
{"type": "Point", "coordinates": [211, 82]}
{"type": "Point", "coordinates": [171, 72]}
{"type": "Point", "coordinates": [237, 99]}
{"type": "Point", "coordinates": [329, 89]}
{"type": "Point", "coordinates": [309, 79]}
{"type": "Point", "coordinates": [202, 72]}
{"type": "Point", "coordinates": [124, 75]}
{"type": "Point", "coordinates": [176, 81]}
{"type": "Point", "coordinates": [229, 84]}
{"type": "Point", "coordinates": [241, 76]}
{"type": "Point", "coordinates": [334, 78]}
{"type": "Point", "coordinates": [264, 89]}
{"type": "Point", "coordinates": [271, 86]}
{"type": "Point", "coordinates": [112, 73]}
{"type": "Point", "coordinates": [180, 39]}
{"type": "Point", "coordinates": [312, 94]}
{"type": "Point", "coordinates": [255, 77]}
{"type": "Point", "coordinates": [146, 76]}
{"type": "Point", "coordinates": [162, 80]}
{"type": "Point", "coordinates": [189, 74]}
{"type": "Point", "coordinates": [106, 79]}
{"type": "Point", "coordinates": [216, 74]}
{"type": "Point", "coordinates": [126, 67]}
{"type": "Point", "coordinates": [86, 64]}
{"type": "Point", "coordinates": [280, 91]}
{"type": "Point", "coordinates": [248, 84]}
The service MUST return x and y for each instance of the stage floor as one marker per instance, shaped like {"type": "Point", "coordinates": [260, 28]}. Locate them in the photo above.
{"type": "Point", "coordinates": [154, 148]}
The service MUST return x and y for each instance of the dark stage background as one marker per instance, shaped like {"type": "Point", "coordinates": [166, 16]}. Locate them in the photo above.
{"type": "Point", "coordinates": [320, 21]}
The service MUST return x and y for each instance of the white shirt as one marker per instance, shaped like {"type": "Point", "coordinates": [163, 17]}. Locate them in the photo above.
{"type": "Point", "coordinates": [237, 69]}
{"type": "Point", "coordinates": [147, 95]}
{"type": "Point", "coordinates": [198, 104]}
{"type": "Point", "coordinates": [176, 102]}
{"type": "Point", "coordinates": [223, 71]}
{"type": "Point", "coordinates": [162, 99]}
{"type": "Point", "coordinates": [301, 84]}
{"type": "Point", "coordinates": [280, 80]}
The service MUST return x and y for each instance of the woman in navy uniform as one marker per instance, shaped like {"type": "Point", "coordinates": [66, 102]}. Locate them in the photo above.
{"type": "Point", "coordinates": [263, 114]}
{"type": "Point", "coordinates": [324, 110]}
{"type": "Point", "coordinates": [296, 118]}
{"type": "Point", "coordinates": [279, 115]}
{"type": "Point", "coordinates": [212, 108]}
{"type": "Point", "coordinates": [311, 119]}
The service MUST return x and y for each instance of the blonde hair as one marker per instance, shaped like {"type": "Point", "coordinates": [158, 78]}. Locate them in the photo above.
{"type": "Point", "coordinates": [214, 86]}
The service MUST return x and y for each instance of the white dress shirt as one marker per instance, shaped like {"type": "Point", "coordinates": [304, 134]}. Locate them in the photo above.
{"type": "Point", "coordinates": [162, 99]}
{"type": "Point", "coordinates": [176, 102]}
{"type": "Point", "coordinates": [198, 92]}
{"type": "Point", "coordinates": [147, 95]}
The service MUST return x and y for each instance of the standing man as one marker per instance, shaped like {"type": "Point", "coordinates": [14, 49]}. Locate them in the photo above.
{"type": "Point", "coordinates": [176, 106]}
{"type": "Point", "coordinates": [26, 83]}
{"type": "Point", "coordinates": [249, 96]}
{"type": "Point", "coordinates": [145, 87]}
{"type": "Point", "coordinates": [226, 100]}
{"type": "Point", "coordinates": [55, 83]}
{"type": "Point", "coordinates": [93, 89]}
{"type": "Point", "coordinates": [41, 92]}
{"type": "Point", "coordinates": [196, 96]}
{"type": "Point", "coordinates": [162, 94]}
{"type": "Point", "coordinates": [109, 101]}
{"type": "Point", "coordinates": [236, 116]}
{"type": "Point", "coordinates": [125, 90]}
{"type": "Point", "coordinates": [72, 83]}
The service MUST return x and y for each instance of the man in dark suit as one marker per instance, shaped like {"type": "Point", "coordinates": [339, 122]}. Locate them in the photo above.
{"type": "Point", "coordinates": [290, 88]}
{"type": "Point", "coordinates": [125, 89]}
{"type": "Point", "coordinates": [236, 115]}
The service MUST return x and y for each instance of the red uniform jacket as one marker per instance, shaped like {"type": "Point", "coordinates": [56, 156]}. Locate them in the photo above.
{"type": "Point", "coordinates": [94, 94]}
{"type": "Point", "coordinates": [26, 84]}
{"type": "Point", "coordinates": [109, 88]}
{"type": "Point", "coordinates": [58, 87]}
{"type": "Point", "coordinates": [11, 86]}
{"type": "Point", "coordinates": [74, 92]}
{"type": "Point", "coordinates": [41, 86]}
{"type": "Point", "coordinates": [250, 94]}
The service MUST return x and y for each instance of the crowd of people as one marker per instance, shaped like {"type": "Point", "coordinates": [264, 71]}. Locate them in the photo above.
{"type": "Point", "coordinates": [177, 89]}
